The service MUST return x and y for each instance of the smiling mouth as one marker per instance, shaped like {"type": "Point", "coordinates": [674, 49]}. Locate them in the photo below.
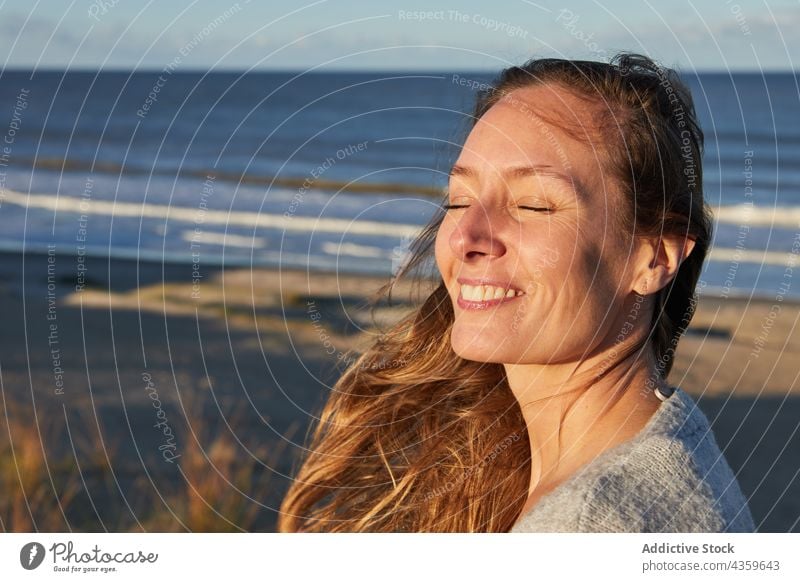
{"type": "Point", "coordinates": [484, 296]}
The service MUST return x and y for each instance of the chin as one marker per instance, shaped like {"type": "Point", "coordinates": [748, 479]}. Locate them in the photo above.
{"type": "Point", "coordinates": [471, 348]}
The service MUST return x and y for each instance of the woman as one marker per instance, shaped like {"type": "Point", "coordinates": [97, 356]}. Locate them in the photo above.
{"type": "Point", "coordinates": [528, 392]}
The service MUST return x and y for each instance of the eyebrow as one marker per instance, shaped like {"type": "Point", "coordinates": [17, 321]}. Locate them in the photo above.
{"type": "Point", "coordinates": [518, 172]}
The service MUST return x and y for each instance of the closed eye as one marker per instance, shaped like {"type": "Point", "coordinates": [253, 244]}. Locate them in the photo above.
{"type": "Point", "coordinates": [533, 208]}
{"type": "Point", "coordinates": [537, 208]}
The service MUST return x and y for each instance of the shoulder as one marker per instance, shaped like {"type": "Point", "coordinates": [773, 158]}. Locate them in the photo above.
{"type": "Point", "coordinates": [672, 477]}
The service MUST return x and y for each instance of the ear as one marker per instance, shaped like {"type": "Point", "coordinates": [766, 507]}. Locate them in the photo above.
{"type": "Point", "coordinates": [659, 261]}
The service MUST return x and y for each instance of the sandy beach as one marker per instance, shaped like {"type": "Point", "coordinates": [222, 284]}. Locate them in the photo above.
{"type": "Point", "coordinates": [151, 398]}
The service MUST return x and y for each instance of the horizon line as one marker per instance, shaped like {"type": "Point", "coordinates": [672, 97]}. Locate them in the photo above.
{"type": "Point", "coordinates": [233, 70]}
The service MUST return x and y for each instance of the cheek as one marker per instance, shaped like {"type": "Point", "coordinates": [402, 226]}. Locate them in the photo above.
{"type": "Point", "coordinates": [547, 260]}
{"type": "Point", "coordinates": [568, 283]}
{"type": "Point", "coordinates": [591, 285]}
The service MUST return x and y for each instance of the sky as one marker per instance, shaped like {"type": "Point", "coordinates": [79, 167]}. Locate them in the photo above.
{"type": "Point", "coordinates": [699, 35]}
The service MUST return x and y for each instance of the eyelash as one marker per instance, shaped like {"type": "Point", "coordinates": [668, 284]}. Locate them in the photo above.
{"type": "Point", "coordinates": [534, 208]}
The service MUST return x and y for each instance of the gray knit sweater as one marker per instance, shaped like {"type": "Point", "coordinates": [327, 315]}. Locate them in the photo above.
{"type": "Point", "coordinates": [671, 477]}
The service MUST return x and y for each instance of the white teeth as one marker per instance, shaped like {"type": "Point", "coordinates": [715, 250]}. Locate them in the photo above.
{"type": "Point", "coordinates": [486, 292]}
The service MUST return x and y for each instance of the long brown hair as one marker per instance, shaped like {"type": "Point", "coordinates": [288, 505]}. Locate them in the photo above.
{"type": "Point", "coordinates": [415, 438]}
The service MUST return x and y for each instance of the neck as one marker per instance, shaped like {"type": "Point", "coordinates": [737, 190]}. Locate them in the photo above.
{"type": "Point", "coordinates": [575, 411]}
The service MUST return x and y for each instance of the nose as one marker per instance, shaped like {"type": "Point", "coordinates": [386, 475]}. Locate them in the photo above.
{"type": "Point", "coordinates": [477, 233]}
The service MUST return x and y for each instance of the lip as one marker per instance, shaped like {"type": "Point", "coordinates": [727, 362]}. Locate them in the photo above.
{"type": "Point", "coordinates": [479, 305]}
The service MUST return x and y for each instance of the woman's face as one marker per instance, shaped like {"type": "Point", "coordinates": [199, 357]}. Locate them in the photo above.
{"type": "Point", "coordinates": [535, 219]}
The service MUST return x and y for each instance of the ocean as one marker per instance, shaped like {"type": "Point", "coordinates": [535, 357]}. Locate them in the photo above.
{"type": "Point", "coordinates": [332, 171]}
